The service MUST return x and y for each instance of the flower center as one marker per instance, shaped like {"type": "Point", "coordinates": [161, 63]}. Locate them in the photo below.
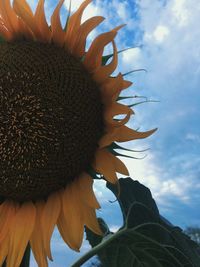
{"type": "Point", "coordinates": [51, 119]}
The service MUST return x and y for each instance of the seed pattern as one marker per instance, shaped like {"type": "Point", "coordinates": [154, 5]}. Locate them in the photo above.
{"type": "Point", "coordinates": [51, 118]}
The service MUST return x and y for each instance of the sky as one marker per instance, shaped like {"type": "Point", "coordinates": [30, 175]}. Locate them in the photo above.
{"type": "Point", "coordinates": [166, 37]}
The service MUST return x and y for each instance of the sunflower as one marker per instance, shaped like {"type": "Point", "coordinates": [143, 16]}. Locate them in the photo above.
{"type": "Point", "coordinates": [57, 127]}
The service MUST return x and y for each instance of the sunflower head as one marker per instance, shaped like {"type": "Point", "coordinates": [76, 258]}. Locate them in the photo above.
{"type": "Point", "coordinates": [51, 119]}
{"type": "Point", "coordinates": [58, 112]}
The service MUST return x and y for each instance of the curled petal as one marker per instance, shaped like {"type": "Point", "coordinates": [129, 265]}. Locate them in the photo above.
{"type": "Point", "coordinates": [103, 73]}
{"type": "Point", "coordinates": [93, 57]}
{"type": "Point", "coordinates": [74, 24]}
{"type": "Point", "coordinates": [78, 46]}
{"type": "Point", "coordinates": [124, 134]}
{"type": "Point", "coordinates": [116, 109]}
{"type": "Point", "coordinates": [118, 123]}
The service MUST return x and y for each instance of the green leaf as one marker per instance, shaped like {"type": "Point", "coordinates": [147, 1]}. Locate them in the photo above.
{"type": "Point", "coordinates": [129, 247]}
{"type": "Point", "coordinates": [139, 214]}
{"type": "Point", "coordinates": [93, 238]}
{"type": "Point", "coordinates": [146, 238]}
{"type": "Point", "coordinates": [132, 191]}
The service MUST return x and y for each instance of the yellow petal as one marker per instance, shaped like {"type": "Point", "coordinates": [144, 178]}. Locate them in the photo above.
{"type": "Point", "coordinates": [78, 46]}
{"type": "Point", "coordinates": [74, 24]}
{"type": "Point", "coordinates": [120, 167]}
{"type": "Point", "coordinates": [85, 183]}
{"type": "Point", "coordinates": [114, 110]}
{"type": "Point", "coordinates": [121, 122]}
{"type": "Point", "coordinates": [9, 16]}
{"type": "Point", "coordinates": [7, 213]}
{"type": "Point", "coordinates": [23, 7]}
{"type": "Point", "coordinates": [4, 16]}
{"type": "Point", "coordinates": [125, 85]}
{"type": "Point", "coordinates": [42, 23]}
{"type": "Point", "coordinates": [58, 34]}
{"type": "Point", "coordinates": [93, 57]}
{"type": "Point", "coordinates": [20, 235]}
{"type": "Point", "coordinates": [118, 27]}
{"type": "Point", "coordinates": [4, 250]}
{"type": "Point", "coordinates": [73, 216]}
{"type": "Point", "coordinates": [124, 134]}
{"type": "Point", "coordinates": [103, 73]}
{"type": "Point", "coordinates": [104, 165]}
{"type": "Point", "coordinates": [62, 227]}
{"type": "Point", "coordinates": [25, 30]}
{"type": "Point", "coordinates": [91, 220]}
{"type": "Point", "coordinates": [24, 11]}
{"type": "Point", "coordinates": [112, 87]}
{"type": "Point", "coordinates": [5, 32]}
{"type": "Point", "coordinates": [109, 137]}
{"type": "Point", "coordinates": [49, 219]}
{"type": "Point", "coordinates": [36, 239]}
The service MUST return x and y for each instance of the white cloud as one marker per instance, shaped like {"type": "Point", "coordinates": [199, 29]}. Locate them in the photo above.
{"type": "Point", "coordinates": [74, 4]}
{"type": "Point", "coordinates": [114, 228]}
{"type": "Point", "coordinates": [181, 12]}
{"type": "Point", "coordinates": [160, 33]}
{"type": "Point", "coordinates": [193, 137]}
{"type": "Point", "coordinates": [90, 11]}
{"type": "Point", "coordinates": [121, 8]}
{"type": "Point", "coordinates": [133, 56]}
{"type": "Point", "coordinates": [160, 181]}
{"type": "Point", "coordinates": [180, 45]}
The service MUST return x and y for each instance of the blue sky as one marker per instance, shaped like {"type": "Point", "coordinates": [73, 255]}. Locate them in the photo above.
{"type": "Point", "coordinates": [169, 34]}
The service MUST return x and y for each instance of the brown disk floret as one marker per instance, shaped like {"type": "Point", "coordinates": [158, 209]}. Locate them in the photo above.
{"type": "Point", "coordinates": [51, 119]}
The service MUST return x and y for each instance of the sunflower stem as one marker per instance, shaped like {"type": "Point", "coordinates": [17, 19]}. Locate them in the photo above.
{"type": "Point", "coordinates": [97, 248]}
